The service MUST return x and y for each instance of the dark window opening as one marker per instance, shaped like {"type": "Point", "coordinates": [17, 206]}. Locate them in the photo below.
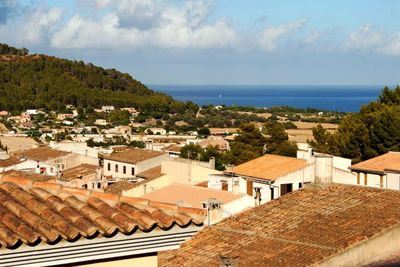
{"type": "Point", "coordinates": [286, 188]}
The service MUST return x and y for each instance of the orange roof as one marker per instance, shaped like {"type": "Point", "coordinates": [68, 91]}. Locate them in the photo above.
{"type": "Point", "coordinates": [302, 228]}
{"type": "Point", "coordinates": [190, 195]}
{"type": "Point", "coordinates": [10, 162]}
{"type": "Point", "coordinates": [150, 173]}
{"type": "Point", "coordinates": [118, 187]}
{"type": "Point", "coordinates": [388, 161]}
{"type": "Point", "coordinates": [78, 171]}
{"type": "Point", "coordinates": [39, 177]}
{"type": "Point", "coordinates": [42, 153]}
{"type": "Point", "coordinates": [35, 212]}
{"type": "Point", "coordinates": [133, 155]}
{"type": "Point", "coordinates": [269, 167]}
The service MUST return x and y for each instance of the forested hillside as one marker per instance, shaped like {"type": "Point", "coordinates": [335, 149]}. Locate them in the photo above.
{"type": "Point", "coordinates": [373, 131]}
{"type": "Point", "coordinates": [40, 81]}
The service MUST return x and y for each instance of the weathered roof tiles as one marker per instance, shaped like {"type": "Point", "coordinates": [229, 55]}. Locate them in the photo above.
{"type": "Point", "coordinates": [31, 212]}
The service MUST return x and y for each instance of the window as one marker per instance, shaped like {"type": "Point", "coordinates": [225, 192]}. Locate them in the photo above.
{"type": "Point", "coordinates": [124, 169]}
{"type": "Point", "coordinates": [133, 171]}
{"type": "Point", "coordinates": [116, 167]}
{"type": "Point", "coordinates": [98, 185]}
{"type": "Point", "coordinates": [109, 166]}
{"type": "Point", "coordinates": [300, 185]}
{"type": "Point", "coordinates": [286, 188]}
{"type": "Point", "coordinates": [272, 193]}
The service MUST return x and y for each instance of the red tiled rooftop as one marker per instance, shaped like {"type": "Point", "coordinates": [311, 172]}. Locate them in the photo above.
{"type": "Point", "coordinates": [152, 173]}
{"type": "Point", "coordinates": [78, 171]}
{"type": "Point", "coordinates": [301, 228]}
{"type": "Point", "coordinates": [390, 160]}
{"type": "Point", "coordinates": [10, 162]}
{"type": "Point", "coordinates": [35, 212]}
{"type": "Point", "coordinates": [42, 154]}
{"type": "Point", "coordinates": [133, 155]}
{"type": "Point", "coordinates": [269, 167]}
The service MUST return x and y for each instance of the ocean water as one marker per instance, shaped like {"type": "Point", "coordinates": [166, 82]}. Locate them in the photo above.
{"type": "Point", "coordinates": [335, 98]}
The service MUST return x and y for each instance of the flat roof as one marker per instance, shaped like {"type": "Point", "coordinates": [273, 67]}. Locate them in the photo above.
{"type": "Point", "coordinates": [190, 195]}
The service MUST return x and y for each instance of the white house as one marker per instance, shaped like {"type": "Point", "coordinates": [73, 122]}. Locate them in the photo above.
{"type": "Point", "coordinates": [382, 171]}
{"type": "Point", "coordinates": [128, 163]}
{"type": "Point", "coordinates": [265, 178]}
{"type": "Point", "coordinates": [107, 109]}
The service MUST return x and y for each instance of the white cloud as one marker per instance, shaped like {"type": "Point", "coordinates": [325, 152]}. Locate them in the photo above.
{"type": "Point", "coordinates": [34, 27]}
{"type": "Point", "coordinates": [146, 23]}
{"type": "Point", "coordinates": [370, 39]}
{"type": "Point", "coordinates": [268, 40]}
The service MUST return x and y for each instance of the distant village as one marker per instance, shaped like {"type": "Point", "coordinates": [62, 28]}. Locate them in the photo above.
{"type": "Point", "coordinates": [76, 194]}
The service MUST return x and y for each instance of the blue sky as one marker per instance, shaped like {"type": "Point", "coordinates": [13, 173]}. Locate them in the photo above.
{"type": "Point", "coordinates": [342, 42]}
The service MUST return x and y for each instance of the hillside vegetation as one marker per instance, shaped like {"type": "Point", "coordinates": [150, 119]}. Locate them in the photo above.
{"type": "Point", "coordinates": [40, 81]}
{"type": "Point", "coordinates": [373, 131]}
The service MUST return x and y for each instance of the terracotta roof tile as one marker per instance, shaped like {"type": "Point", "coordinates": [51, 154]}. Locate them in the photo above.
{"type": "Point", "coordinates": [301, 228]}
{"type": "Point", "coordinates": [78, 171]}
{"type": "Point", "coordinates": [41, 154]}
{"type": "Point", "coordinates": [390, 160]}
{"type": "Point", "coordinates": [16, 175]}
{"type": "Point", "coordinates": [34, 212]}
{"type": "Point", "coordinates": [269, 167]}
{"type": "Point", "coordinates": [133, 155]}
{"type": "Point", "coordinates": [151, 173]}
{"type": "Point", "coordinates": [118, 187]}
{"type": "Point", "coordinates": [10, 162]}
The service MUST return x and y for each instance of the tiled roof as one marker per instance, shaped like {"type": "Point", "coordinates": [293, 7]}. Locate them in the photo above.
{"type": "Point", "coordinates": [269, 167]}
{"type": "Point", "coordinates": [42, 154]}
{"type": "Point", "coordinates": [173, 148]}
{"type": "Point", "coordinates": [190, 195]}
{"type": "Point", "coordinates": [220, 143]}
{"type": "Point", "coordinates": [133, 155]}
{"type": "Point", "coordinates": [10, 162]}
{"type": "Point", "coordinates": [118, 187]}
{"type": "Point", "coordinates": [150, 173]}
{"type": "Point", "coordinates": [38, 177]}
{"type": "Point", "coordinates": [301, 228]}
{"type": "Point", "coordinates": [390, 160]}
{"type": "Point", "coordinates": [35, 212]}
{"type": "Point", "coordinates": [78, 171]}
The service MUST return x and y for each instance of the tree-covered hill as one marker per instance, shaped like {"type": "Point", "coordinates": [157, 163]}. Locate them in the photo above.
{"type": "Point", "coordinates": [40, 81]}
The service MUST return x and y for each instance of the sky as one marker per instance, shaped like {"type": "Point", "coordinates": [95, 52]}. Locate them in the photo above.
{"type": "Point", "coordinates": [258, 42]}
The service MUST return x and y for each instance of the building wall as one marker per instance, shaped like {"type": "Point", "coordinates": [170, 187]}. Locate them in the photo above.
{"type": "Point", "coordinates": [187, 171]}
{"type": "Point", "coordinates": [376, 248]}
{"type": "Point", "coordinates": [148, 187]}
{"type": "Point", "coordinates": [139, 167]}
{"type": "Point", "coordinates": [393, 181]}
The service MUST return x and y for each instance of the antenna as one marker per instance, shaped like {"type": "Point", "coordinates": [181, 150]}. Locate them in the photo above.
{"type": "Point", "coordinates": [211, 204]}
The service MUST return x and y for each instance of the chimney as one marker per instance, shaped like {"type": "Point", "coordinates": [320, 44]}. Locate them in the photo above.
{"type": "Point", "coordinates": [212, 163]}
{"type": "Point", "coordinates": [323, 168]}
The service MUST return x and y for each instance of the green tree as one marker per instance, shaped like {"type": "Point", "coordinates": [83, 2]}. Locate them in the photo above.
{"type": "Point", "coordinates": [191, 151]}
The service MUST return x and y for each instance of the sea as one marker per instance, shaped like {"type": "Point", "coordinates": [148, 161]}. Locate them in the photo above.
{"type": "Point", "coordinates": [332, 98]}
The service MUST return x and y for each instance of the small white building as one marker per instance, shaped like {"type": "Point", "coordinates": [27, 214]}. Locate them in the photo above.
{"type": "Point", "coordinates": [100, 122]}
{"type": "Point", "coordinates": [31, 111]}
{"type": "Point", "coordinates": [107, 109]}
{"type": "Point", "coordinates": [128, 163]}
{"type": "Point", "coordinates": [265, 178]}
{"type": "Point", "coordinates": [382, 171]}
